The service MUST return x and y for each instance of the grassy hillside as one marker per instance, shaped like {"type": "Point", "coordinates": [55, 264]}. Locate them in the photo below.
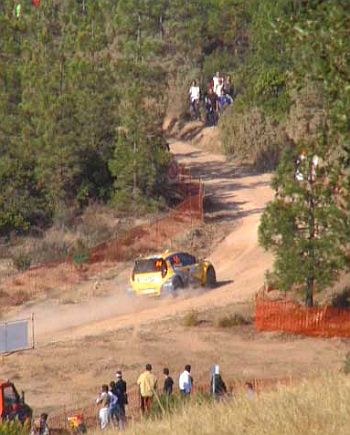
{"type": "Point", "coordinates": [313, 407]}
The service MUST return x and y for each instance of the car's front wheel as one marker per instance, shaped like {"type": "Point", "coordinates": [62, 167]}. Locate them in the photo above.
{"type": "Point", "coordinates": [210, 281]}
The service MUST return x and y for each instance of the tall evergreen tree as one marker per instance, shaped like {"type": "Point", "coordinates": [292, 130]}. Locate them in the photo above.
{"type": "Point", "coordinates": [307, 225]}
{"type": "Point", "coordinates": [304, 226]}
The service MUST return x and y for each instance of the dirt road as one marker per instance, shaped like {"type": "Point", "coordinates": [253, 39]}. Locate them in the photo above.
{"type": "Point", "coordinates": [236, 196]}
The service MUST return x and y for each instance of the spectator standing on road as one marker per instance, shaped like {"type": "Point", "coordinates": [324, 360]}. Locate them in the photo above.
{"type": "Point", "coordinates": [103, 401]}
{"type": "Point", "coordinates": [194, 94]}
{"type": "Point", "coordinates": [120, 388]}
{"type": "Point", "coordinates": [168, 383]}
{"type": "Point", "coordinates": [228, 89]}
{"type": "Point", "coordinates": [219, 87]}
{"type": "Point", "coordinates": [212, 107]}
{"type": "Point", "coordinates": [216, 81]}
{"type": "Point", "coordinates": [186, 381]}
{"type": "Point", "coordinates": [147, 383]}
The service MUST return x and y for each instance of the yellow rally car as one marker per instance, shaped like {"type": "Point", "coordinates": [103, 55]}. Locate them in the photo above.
{"type": "Point", "coordinates": [168, 272]}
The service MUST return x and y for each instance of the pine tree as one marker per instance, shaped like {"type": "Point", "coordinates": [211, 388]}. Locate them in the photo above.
{"type": "Point", "coordinates": [139, 159]}
{"type": "Point", "coordinates": [304, 225]}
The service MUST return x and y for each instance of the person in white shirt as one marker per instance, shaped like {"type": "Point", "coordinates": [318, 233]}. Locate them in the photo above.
{"type": "Point", "coordinates": [218, 89]}
{"type": "Point", "coordinates": [194, 94]}
{"type": "Point", "coordinates": [194, 91]}
{"type": "Point", "coordinates": [216, 80]}
{"type": "Point", "coordinates": [103, 401]}
{"type": "Point", "coordinates": [186, 381]}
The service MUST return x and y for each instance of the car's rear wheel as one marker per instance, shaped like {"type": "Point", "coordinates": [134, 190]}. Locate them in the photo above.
{"type": "Point", "coordinates": [210, 281]}
{"type": "Point", "coordinates": [177, 284]}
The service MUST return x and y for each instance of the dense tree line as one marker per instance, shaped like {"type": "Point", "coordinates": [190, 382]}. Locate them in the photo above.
{"type": "Point", "coordinates": [84, 92]}
{"type": "Point", "coordinates": [84, 88]}
{"type": "Point", "coordinates": [80, 118]}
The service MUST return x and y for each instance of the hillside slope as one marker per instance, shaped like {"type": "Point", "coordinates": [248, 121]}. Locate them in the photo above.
{"type": "Point", "coordinates": [238, 196]}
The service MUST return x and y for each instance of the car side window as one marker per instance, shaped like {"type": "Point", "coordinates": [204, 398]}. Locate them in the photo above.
{"type": "Point", "coordinates": [187, 259]}
{"type": "Point", "coordinates": [175, 260]}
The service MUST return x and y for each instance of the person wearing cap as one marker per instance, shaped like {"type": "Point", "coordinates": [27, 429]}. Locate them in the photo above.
{"type": "Point", "coordinates": [147, 383]}
{"type": "Point", "coordinates": [186, 381]}
{"type": "Point", "coordinates": [217, 385]}
{"type": "Point", "coordinates": [120, 391]}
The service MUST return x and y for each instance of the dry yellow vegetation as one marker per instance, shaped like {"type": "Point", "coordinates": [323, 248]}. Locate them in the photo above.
{"type": "Point", "coordinates": [320, 406]}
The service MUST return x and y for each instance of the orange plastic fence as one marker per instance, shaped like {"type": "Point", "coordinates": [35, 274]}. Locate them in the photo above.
{"type": "Point", "coordinates": [145, 238]}
{"type": "Point", "coordinates": [290, 317]}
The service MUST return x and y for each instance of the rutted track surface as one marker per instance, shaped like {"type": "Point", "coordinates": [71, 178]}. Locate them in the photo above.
{"type": "Point", "coordinates": [238, 197]}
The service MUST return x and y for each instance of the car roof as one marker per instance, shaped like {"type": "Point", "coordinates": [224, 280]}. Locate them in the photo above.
{"type": "Point", "coordinates": [164, 254]}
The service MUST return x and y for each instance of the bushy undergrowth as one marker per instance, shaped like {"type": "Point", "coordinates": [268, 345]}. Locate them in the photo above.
{"type": "Point", "coordinates": [21, 260]}
{"type": "Point", "coordinates": [232, 320]}
{"type": "Point", "coordinates": [191, 319]}
{"type": "Point", "coordinates": [317, 407]}
{"type": "Point", "coordinates": [164, 405]}
{"type": "Point", "coordinates": [247, 134]}
{"type": "Point", "coordinates": [12, 428]}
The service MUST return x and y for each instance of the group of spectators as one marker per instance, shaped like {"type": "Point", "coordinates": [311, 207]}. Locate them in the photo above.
{"type": "Point", "coordinates": [219, 94]}
{"type": "Point", "coordinates": [111, 402]}
{"type": "Point", "coordinates": [113, 398]}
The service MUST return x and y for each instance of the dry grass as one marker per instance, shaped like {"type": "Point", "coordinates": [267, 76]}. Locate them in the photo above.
{"type": "Point", "coordinates": [191, 319]}
{"type": "Point", "coordinates": [312, 407]}
{"type": "Point", "coordinates": [231, 320]}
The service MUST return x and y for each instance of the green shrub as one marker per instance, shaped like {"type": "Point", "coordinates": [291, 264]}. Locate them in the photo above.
{"type": "Point", "coordinates": [232, 320]}
{"type": "Point", "coordinates": [21, 260]}
{"type": "Point", "coordinates": [12, 428]}
{"type": "Point", "coordinates": [80, 253]}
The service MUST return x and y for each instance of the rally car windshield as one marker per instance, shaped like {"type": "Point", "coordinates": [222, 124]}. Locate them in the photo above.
{"type": "Point", "coordinates": [149, 265]}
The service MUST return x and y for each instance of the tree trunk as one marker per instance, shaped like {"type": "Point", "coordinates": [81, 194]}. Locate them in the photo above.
{"type": "Point", "coordinates": [310, 280]}
{"type": "Point", "coordinates": [309, 292]}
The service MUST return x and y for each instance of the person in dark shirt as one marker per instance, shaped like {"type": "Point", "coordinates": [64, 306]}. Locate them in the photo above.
{"type": "Point", "coordinates": [168, 383]}
{"type": "Point", "coordinates": [120, 391]}
{"type": "Point", "coordinates": [211, 107]}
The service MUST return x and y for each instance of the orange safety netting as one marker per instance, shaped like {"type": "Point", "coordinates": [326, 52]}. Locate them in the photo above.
{"type": "Point", "coordinates": [152, 236]}
{"type": "Point", "coordinates": [290, 317]}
